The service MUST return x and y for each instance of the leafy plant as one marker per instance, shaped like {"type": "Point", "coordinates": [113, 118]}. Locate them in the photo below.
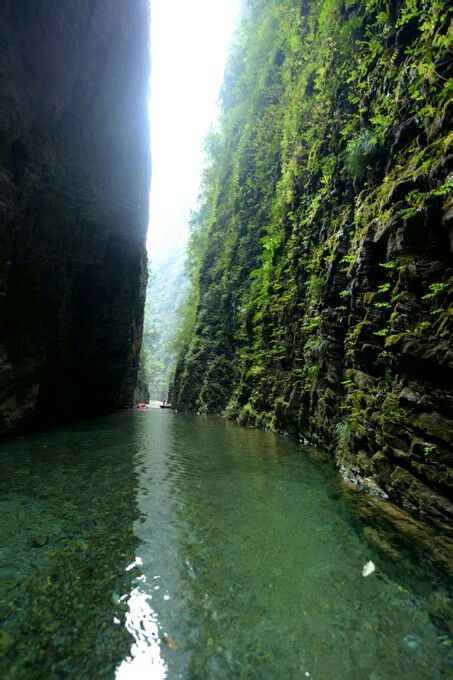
{"type": "Point", "coordinates": [382, 333]}
{"type": "Point", "coordinates": [434, 290]}
{"type": "Point", "coordinates": [359, 153]}
{"type": "Point", "coordinates": [384, 288]}
{"type": "Point", "coordinates": [344, 433]}
{"type": "Point", "coordinates": [315, 285]}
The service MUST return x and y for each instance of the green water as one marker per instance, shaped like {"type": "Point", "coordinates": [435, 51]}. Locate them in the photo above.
{"type": "Point", "coordinates": [151, 545]}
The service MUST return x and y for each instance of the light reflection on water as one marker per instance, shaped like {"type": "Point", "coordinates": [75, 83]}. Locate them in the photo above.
{"type": "Point", "coordinates": [145, 660]}
{"type": "Point", "coordinates": [155, 545]}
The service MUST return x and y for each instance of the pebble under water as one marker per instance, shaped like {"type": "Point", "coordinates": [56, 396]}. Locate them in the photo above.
{"type": "Point", "coordinates": [159, 545]}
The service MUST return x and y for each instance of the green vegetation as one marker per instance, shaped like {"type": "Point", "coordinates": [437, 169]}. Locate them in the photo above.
{"type": "Point", "coordinates": [167, 288]}
{"type": "Point", "coordinates": [360, 152]}
{"type": "Point", "coordinates": [318, 248]}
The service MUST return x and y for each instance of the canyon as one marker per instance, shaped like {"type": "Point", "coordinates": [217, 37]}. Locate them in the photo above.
{"type": "Point", "coordinates": [288, 515]}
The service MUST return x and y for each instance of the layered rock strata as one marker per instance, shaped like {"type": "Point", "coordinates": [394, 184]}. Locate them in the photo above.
{"type": "Point", "coordinates": [322, 253]}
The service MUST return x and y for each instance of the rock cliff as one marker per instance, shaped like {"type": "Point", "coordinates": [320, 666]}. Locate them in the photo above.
{"type": "Point", "coordinates": [321, 254]}
{"type": "Point", "coordinates": [74, 182]}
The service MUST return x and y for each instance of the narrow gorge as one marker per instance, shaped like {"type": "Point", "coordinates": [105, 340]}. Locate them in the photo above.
{"type": "Point", "coordinates": [321, 256]}
{"type": "Point", "coordinates": [226, 414]}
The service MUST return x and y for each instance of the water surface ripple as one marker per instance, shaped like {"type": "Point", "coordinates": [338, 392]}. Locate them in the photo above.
{"type": "Point", "coordinates": [158, 545]}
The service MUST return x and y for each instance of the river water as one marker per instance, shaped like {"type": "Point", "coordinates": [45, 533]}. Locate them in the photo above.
{"type": "Point", "coordinates": [154, 544]}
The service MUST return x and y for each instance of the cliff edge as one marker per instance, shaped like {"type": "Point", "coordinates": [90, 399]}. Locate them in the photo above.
{"type": "Point", "coordinates": [74, 184]}
{"type": "Point", "coordinates": [321, 256]}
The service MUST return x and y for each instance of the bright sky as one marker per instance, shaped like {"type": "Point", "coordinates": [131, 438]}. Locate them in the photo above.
{"type": "Point", "coordinates": [189, 47]}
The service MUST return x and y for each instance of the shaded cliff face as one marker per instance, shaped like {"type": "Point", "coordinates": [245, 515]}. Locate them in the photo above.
{"type": "Point", "coordinates": [321, 258]}
{"type": "Point", "coordinates": [74, 182]}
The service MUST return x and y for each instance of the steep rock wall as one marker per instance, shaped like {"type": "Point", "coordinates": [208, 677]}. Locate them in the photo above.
{"type": "Point", "coordinates": [321, 255]}
{"type": "Point", "coordinates": [74, 182]}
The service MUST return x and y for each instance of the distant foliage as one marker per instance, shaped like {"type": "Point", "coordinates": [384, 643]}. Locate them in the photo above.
{"type": "Point", "coordinates": [167, 287]}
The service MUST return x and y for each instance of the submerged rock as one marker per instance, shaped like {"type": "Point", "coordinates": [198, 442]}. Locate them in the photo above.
{"type": "Point", "coordinates": [39, 541]}
{"type": "Point", "coordinates": [368, 569]}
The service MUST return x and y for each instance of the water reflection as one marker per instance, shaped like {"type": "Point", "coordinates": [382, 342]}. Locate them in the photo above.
{"type": "Point", "coordinates": [259, 553]}
{"type": "Point", "coordinates": [150, 545]}
{"type": "Point", "coordinates": [145, 660]}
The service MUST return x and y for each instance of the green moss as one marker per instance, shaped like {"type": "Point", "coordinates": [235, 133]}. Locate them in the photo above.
{"type": "Point", "coordinates": [308, 258]}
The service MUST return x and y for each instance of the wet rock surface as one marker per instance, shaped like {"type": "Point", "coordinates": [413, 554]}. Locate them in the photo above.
{"type": "Point", "coordinates": [325, 291]}
{"type": "Point", "coordinates": [74, 176]}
